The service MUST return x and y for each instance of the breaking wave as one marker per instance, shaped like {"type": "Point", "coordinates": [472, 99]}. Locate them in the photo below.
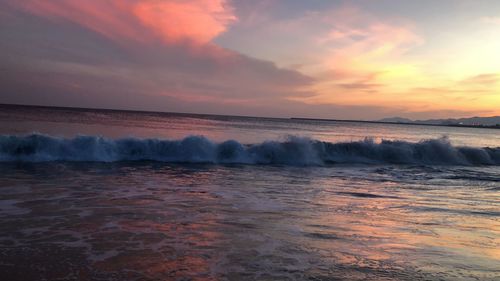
{"type": "Point", "coordinates": [198, 149]}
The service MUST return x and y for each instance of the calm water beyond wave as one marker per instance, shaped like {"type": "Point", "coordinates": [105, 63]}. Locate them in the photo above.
{"type": "Point", "coordinates": [115, 195]}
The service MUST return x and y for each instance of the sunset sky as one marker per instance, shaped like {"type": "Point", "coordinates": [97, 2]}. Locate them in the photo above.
{"type": "Point", "coordinates": [329, 59]}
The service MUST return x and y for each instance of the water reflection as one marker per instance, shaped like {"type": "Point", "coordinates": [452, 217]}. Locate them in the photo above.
{"type": "Point", "coordinates": [150, 221]}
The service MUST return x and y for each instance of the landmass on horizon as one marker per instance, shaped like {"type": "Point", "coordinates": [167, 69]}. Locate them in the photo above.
{"type": "Point", "coordinates": [493, 121]}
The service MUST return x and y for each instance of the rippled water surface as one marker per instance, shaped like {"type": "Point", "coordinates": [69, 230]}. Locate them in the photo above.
{"type": "Point", "coordinates": [150, 220]}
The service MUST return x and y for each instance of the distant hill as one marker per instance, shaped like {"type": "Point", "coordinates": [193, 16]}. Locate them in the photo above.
{"type": "Point", "coordinates": [473, 121]}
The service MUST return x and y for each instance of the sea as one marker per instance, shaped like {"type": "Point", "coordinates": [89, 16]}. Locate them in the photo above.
{"type": "Point", "coordinates": [90, 194]}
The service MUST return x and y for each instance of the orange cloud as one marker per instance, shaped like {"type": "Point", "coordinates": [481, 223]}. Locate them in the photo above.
{"type": "Point", "coordinates": [355, 57]}
{"type": "Point", "coordinates": [197, 21]}
{"type": "Point", "coordinates": [376, 65]}
{"type": "Point", "coordinates": [483, 79]}
{"type": "Point", "coordinates": [362, 61]}
{"type": "Point", "coordinates": [357, 42]}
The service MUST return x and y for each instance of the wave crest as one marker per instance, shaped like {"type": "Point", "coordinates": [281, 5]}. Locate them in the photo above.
{"type": "Point", "coordinates": [198, 149]}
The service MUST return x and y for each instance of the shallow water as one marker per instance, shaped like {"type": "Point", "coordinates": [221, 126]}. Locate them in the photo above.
{"type": "Point", "coordinates": [150, 220]}
{"type": "Point", "coordinates": [65, 122]}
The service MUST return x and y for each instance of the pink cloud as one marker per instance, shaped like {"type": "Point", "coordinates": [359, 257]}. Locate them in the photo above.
{"type": "Point", "coordinates": [352, 33]}
{"type": "Point", "coordinates": [197, 21]}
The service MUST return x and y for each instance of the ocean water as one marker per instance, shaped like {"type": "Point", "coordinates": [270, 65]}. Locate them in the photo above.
{"type": "Point", "coordinates": [117, 195]}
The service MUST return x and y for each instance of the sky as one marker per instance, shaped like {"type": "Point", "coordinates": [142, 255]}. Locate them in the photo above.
{"type": "Point", "coordinates": [359, 59]}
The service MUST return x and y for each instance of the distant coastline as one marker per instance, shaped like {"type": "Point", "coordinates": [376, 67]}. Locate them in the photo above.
{"type": "Point", "coordinates": [399, 123]}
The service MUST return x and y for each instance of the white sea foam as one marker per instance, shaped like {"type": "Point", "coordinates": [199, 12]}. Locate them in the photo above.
{"type": "Point", "coordinates": [198, 149]}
